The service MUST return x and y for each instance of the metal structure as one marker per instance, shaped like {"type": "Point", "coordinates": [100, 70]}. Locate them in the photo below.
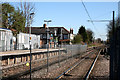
{"type": "Point", "coordinates": [99, 20]}
{"type": "Point", "coordinates": [119, 12]}
{"type": "Point", "coordinates": [60, 54]}
{"type": "Point", "coordinates": [77, 47]}
{"type": "Point", "coordinates": [6, 40]}
{"type": "Point", "coordinates": [47, 45]}
{"type": "Point", "coordinates": [23, 41]}
{"type": "Point", "coordinates": [115, 49]}
{"type": "Point", "coordinates": [115, 56]}
{"type": "Point", "coordinates": [31, 15]}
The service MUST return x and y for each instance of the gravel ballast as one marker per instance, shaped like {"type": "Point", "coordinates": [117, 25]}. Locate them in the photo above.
{"type": "Point", "coordinates": [101, 69]}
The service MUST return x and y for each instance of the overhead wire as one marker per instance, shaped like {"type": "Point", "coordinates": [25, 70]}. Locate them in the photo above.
{"type": "Point", "coordinates": [90, 17]}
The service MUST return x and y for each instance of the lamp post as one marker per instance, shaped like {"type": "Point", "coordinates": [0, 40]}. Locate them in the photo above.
{"type": "Point", "coordinates": [31, 16]}
{"type": "Point", "coordinates": [47, 45]}
{"type": "Point", "coordinates": [47, 30]}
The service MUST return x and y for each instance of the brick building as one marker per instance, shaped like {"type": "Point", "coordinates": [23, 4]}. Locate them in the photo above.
{"type": "Point", "coordinates": [57, 35]}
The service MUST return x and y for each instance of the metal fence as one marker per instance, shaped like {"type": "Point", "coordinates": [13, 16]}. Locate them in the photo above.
{"type": "Point", "coordinates": [72, 50]}
{"type": "Point", "coordinates": [66, 52]}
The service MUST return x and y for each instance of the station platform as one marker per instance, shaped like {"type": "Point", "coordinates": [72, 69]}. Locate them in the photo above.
{"type": "Point", "coordinates": [19, 52]}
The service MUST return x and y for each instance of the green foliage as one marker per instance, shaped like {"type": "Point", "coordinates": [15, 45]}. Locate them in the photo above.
{"type": "Point", "coordinates": [82, 32]}
{"type": "Point", "coordinates": [77, 39]}
{"type": "Point", "coordinates": [12, 19]}
{"type": "Point", "coordinates": [99, 40]}
{"type": "Point", "coordinates": [19, 21]}
{"type": "Point", "coordinates": [7, 15]}
{"type": "Point", "coordinates": [89, 35]}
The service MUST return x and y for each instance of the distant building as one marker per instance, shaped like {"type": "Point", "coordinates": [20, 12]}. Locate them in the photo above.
{"type": "Point", "coordinates": [57, 35]}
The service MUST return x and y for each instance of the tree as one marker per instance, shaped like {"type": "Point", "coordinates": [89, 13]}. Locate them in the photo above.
{"type": "Point", "coordinates": [77, 39]}
{"type": "Point", "coordinates": [90, 35]}
{"type": "Point", "coordinates": [82, 32]}
{"type": "Point", "coordinates": [109, 27]}
{"type": "Point", "coordinates": [12, 19]}
{"type": "Point", "coordinates": [7, 15]}
{"type": "Point", "coordinates": [99, 40]}
{"type": "Point", "coordinates": [27, 8]}
{"type": "Point", "coordinates": [18, 21]}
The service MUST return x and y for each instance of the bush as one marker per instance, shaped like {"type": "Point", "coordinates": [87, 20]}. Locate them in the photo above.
{"type": "Point", "coordinates": [77, 39]}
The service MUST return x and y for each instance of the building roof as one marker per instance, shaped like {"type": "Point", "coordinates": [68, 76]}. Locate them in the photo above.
{"type": "Point", "coordinates": [42, 30]}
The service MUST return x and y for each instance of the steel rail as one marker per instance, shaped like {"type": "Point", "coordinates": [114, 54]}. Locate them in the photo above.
{"type": "Point", "coordinates": [92, 66]}
{"type": "Point", "coordinates": [72, 67]}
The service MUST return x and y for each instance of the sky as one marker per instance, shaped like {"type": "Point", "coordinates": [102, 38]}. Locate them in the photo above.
{"type": "Point", "coordinates": [73, 15]}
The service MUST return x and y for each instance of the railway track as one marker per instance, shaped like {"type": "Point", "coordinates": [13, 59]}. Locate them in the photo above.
{"type": "Point", "coordinates": [71, 72]}
{"type": "Point", "coordinates": [16, 76]}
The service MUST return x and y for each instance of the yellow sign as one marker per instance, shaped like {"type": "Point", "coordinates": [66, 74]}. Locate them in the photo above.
{"type": "Point", "coordinates": [27, 64]}
{"type": "Point", "coordinates": [30, 38]}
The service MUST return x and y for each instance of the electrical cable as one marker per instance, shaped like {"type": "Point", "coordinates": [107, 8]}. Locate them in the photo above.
{"type": "Point", "coordinates": [90, 17]}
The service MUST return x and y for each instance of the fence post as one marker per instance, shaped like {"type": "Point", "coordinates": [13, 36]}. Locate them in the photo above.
{"type": "Point", "coordinates": [66, 52]}
{"type": "Point", "coordinates": [59, 56]}
{"type": "Point", "coordinates": [47, 57]}
{"type": "Point", "coordinates": [71, 51]}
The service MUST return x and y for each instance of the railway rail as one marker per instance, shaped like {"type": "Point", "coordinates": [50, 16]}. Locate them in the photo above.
{"type": "Point", "coordinates": [16, 76]}
{"type": "Point", "coordinates": [67, 73]}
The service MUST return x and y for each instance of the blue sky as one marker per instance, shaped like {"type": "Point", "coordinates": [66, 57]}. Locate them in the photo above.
{"type": "Point", "coordinates": [73, 15]}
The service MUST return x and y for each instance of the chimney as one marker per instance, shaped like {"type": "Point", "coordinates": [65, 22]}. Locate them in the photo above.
{"type": "Point", "coordinates": [71, 31]}
{"type": "Point", "coordinates": [44, 25]}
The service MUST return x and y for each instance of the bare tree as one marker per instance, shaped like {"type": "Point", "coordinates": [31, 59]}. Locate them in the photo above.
{"type": "Point", "coordinates": [27, 8]}
{"type": "Point", "coordinates": [109, 28]}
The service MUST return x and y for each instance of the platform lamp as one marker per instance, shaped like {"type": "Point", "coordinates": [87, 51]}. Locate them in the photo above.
{"type": "Point", "coordinates": [31, 17]}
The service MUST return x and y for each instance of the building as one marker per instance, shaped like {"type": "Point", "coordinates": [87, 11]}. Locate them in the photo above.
{"type": "Point", "coordinates": [57, 35]}
{"type": "Point", "coordinates": [6, 40]}
{"type": "Point", "coordinates": [23, 41]}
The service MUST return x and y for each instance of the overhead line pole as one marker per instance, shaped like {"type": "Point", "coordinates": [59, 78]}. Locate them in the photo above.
{"type": "Point", "coordinates": [113, 23]}
{"type": "Point", "coordinates": [99, 20]}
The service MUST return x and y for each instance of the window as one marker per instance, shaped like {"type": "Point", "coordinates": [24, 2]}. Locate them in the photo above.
{"type": "Point", "coordinates": [65, 36]}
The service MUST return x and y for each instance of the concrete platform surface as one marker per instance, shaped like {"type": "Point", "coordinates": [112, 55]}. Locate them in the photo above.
{"type": "Point", "coordinates": [18, 52]}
